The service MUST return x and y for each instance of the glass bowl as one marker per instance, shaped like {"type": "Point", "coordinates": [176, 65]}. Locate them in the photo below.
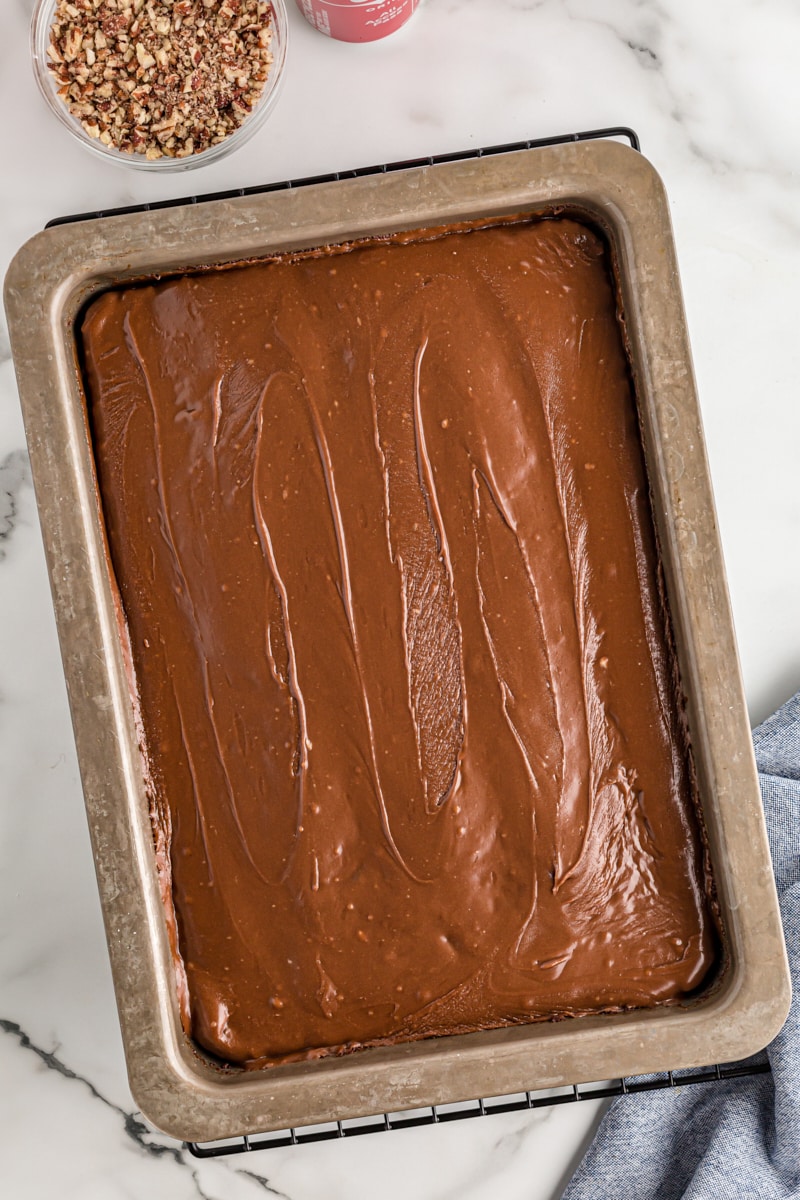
{"type": "Point", "coordinates": [40, 39]}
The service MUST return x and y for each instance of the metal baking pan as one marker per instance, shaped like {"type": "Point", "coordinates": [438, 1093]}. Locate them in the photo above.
{"type": "Point", "coordinates": [48, 283]}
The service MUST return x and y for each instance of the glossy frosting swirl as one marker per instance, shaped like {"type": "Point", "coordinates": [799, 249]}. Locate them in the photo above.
{"type": "Point", "coordinates": [380, 525]}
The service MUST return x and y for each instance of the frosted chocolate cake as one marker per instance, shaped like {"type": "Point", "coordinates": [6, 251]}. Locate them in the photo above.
{"type": "Point", "coordinates": [381, 530]}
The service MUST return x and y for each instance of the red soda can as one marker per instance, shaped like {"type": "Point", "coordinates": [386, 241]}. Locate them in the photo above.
{"type": "Point", "coordinates": [357, 20]}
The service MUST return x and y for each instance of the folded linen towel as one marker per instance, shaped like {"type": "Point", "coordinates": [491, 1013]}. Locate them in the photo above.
{"type": "Point", "coordinates": [739, 1139]}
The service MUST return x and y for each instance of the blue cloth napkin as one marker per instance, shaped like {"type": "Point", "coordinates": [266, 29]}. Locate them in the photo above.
{"type": "Point", "coordinates": [739, 1139]}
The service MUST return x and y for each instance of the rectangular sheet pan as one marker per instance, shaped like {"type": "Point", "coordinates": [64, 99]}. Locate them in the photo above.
{"type": "Point", "coordinates": [48, 283]}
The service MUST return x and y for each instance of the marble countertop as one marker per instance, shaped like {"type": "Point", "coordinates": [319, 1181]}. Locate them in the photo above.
{"type": "Point", "coordinates": [713, 90]}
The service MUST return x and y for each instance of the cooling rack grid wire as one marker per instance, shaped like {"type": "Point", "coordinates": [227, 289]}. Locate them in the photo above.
{"type": "Point", "coordinates": [444, 1114]}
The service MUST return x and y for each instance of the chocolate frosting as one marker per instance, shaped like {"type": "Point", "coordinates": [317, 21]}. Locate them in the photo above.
{"type": "Point", "coordinates": [381, 530]}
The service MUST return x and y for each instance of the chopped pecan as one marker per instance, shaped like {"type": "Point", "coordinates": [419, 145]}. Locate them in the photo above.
{"type": "Point", "coordinates": [155, 78]}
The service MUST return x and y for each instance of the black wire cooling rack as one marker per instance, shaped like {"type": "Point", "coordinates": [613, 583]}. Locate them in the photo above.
{"type": "Point", "coordinates": [522, 1101]}
{"type": "Point", "coordinates": [445, 1113]}
{"type": "Point", "coordinates": [618, 132]}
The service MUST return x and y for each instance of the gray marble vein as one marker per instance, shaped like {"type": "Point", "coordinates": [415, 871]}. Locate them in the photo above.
{"type": "Point", "coordinates": [263, 1184]}
{"type": "Point", "coordinates": [676, 47]}
{"type": "Point", "coordinates": [134, 1128]}
{"type": "Point", "coordinates": [15, 473]}
{"type": "Point", "coordinates": [647, 57]}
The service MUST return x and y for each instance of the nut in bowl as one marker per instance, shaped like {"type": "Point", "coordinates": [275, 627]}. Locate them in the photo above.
{"type": "Point", "coordinates": [160, 84]}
